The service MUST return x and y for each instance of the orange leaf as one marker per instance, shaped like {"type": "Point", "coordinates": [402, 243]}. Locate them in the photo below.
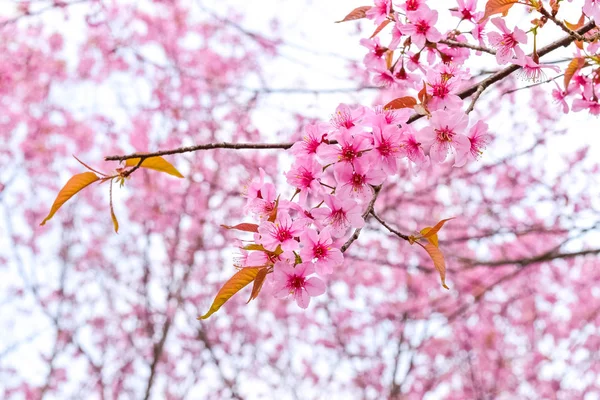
{"type": "Point", "coordinates": [401, 102]}
{"type": "Point", "coordinates": [155, 163]}
{"type": "Point", "coordinates": [438, 261]}
{"type": "Point", "coordinates": [245, 226]}
{"type": "Point", "coordinates": [357, 13]}
{"type": "Point", "coordinates": [112, 210]}
{"type": "Point", "coordinates": [258, 282]}
{"type": "Point", "coordinates": [389, 57]}
{"type": "Point", "coordinates": [575, 65]}
{"type": "Point", "coordinates": [236, 283]}
{"type": "Point", "coordinates": [578, 25]}
{"type": "Point", "coordinates": [436, 228]}
{"type": "Point", "coordinates": [74, 185]}
{"type": "Point", "coordinates": [433, 239]}
{"type": "Point", "coordinates": [254, 246]}
{"type": "Point", "coordinates": [380, 27]}
{"type": "Point", "coordinates": [497, 7]}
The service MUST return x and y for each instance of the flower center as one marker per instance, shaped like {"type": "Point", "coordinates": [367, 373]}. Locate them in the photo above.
{"type": "Point", "coordinates": [295, 283]}
{"type": "Point", "coordinates": [283, 234]}
{"type": "Point", "coordinates": [320, 251]}
{"type": "Point", "coordinates": [444, 134]}
{"type": "Point", "coordinates": [422, 27]}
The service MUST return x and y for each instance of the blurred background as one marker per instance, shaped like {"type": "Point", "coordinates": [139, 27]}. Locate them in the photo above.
{"type": "Point", "coordinates": [87, 313]}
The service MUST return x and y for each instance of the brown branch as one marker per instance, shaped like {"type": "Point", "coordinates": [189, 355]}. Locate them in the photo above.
{"type": "Point", "coordinates": [365, 215]}
{"type": "Point", "coordinates": [209, 146]}
{"type": "Point", "coordinates": [389, 228]}
{"type": "Point", "coordinates": [503, 73]}
{"type": "Point", "coordinates": [454, 43]}
{"type": "Point", "coordinates": [574, 34]}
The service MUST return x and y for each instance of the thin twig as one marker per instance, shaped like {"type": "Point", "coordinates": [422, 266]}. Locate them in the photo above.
{"type": "Point", "coordinates": [209, 146]}
{"type": "Point", "coordinates": [365, 215]}
{"type": "Point", "coordinates": [454, 43]}
{"type": "Point", "coordinates": [389, 228]}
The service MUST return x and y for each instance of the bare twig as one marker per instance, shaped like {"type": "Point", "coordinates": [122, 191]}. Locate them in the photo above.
{"type": "Point", "coordinates": [389, 228]}
{"type": "Point", "coordinates": [376, 190]}
{"type": "Point", "coordinates": [454, 43]}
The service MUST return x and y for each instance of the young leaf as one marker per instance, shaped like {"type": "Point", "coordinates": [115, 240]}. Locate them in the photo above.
{"type": "Point", "coordinates": [74, 185]}
{"type": "Point", "coordinates": [497, 7]}
{"type": "Point", "coordinates": [155, 163]}
{"type": "Point", "coordinates": [245, 226]}
{"type": "Point", "coordinates": [112, 210]}
{"type": "Point", "coordinates": [401, 102]}
{"type": "Point", "coordinates": [258, 283]}
{"type": "Point", "coordinates": [380, 27]}
{"type": "Point", "coordinates": [436, 228]}
{"type": "Point", "coordinates": [236, 283]}
{"type": "Point", "coordinates": [438, 260]}
{"type": "Point", "coordinates": [357, 13]}
{"type": "Point", "coordinates": [433, 239]}
{"type": "Point", "coordinates": [575, 65]}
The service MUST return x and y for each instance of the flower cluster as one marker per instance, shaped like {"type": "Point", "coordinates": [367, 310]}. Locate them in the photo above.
{"type": "Point", "coordinates": [335, 173]}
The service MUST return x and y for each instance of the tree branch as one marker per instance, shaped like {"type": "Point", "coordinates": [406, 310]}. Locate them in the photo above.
{"type": "Point", "coordinates": [454, 43]}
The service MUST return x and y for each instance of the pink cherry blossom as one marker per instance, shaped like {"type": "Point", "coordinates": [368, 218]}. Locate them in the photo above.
{"type": "Point", "coordinates": [421, 26]}
{"type": "Point", "coordinates": [386, 148]}
{"type": "Point", "coordinates": [445, 133]}
{"type": "Point", "coordinates": [317, 247]}
{"type": "Point", "coordinates": [506, 44]}
{"type": "Point", "coordinates": [591, 8]}
{"type": "Point", "coordinates": [282, 233]}
{"type": "Point", "coordinates": [413, 148]}
{"type": "Point", "coordinates": [532, 71]}
{"type": "Point", "coordinates": [305, 176]}
{"type": "Point", "coordinates": [478, 138]}
{"type": "Point", "coordinates": [380, 11]}
{"type": "Point", "coordinates": [340, 215]}
{"type": "Point", "coordinates": [466, 10]}
{"type": "Point", "coordinates": [311, 140]}
{"type": "Point", "coordinates": [355, 180]}
{"type": "Point", "coordinates": [349, 148]}
{"type": "Point", "coordinates": [290, 280]}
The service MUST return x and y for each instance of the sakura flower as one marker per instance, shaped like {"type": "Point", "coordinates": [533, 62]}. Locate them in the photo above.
{"type": "Point", "coordinates": [376, 51]}
{"type": "Point", "coordinates": [444, 134]}
{"type": "Point", "coordinates": [421, 26]}
{"type": "Point", "coordinates": [412, 148]}
{"type": "Point", "coordinates": [305, 175]}
{"type": "Point", "coordinates": [382, 76]}
{"type": "Point", "coordinates": [441, 83]}
{"type": "Point", "coordinates": [466, 10]}
{"type": "Point", "coordinates": [356, 180]}
{"type": "Point", "coordinates": [380, 11]}
{"type": "Point", "coordinates": [348, 149]}
{"type": "Point", "coordinates": [559, 97]}
{"type": "Point", "coordinates": [479, 138]}
{"type": "Point", "coordinates": [591, 8]}
{"type": "Point", "coordinates": [281, 232]}
{"type": "Point", "coordinates": [318, 248]}
{"type": "Point", "coordinates": [584, 104]}
{"type": "Point", "coordinates": [386, 149]}
{"type": "Point", "coordinates": [412, 5]}
{"type": "Point", "coordinates": [506, 44]}
{"type": "Point", "coordinates": [340, 215]}
{"type": "Point", "coordinates": [311, 140]}
{"type": "Point", "coordinates": [345, 117]}
{"type": "Point", "coordinates": [532, 71]}
{"type": "Point", "coordinates": [293, 280]}
{"type": "Point", "coordinates": [261, 197]}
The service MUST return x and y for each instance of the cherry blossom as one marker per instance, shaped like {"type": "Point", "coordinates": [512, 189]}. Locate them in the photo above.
{"type": "Point", "coordinates": [318, 247]}
{"type": "Point", "coordinates": [290, 280]}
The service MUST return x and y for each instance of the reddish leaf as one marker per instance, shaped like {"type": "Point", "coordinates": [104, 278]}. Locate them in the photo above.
{"type": "Point", "coordinates": [497, 7]}
{"type": "Point", "coordinates": [258, 283]}
{"type": "Point", "coordinates": [389, 57]}
{"type": "Point", "coordinates": [71, 188]}
{"type": "Point", "coordinates": [575, 65]}
{"type": "Point", "coordinates": [236, 283]}
{"type": "Point", "coordinates": [245, 226]}
{"type": "Point", "coordinates": [438, 260]}
{"type": "Point", "coordinates": [273, 215]}
{"type": "Point", "coordinates": [380, 27]}
{"type": "Point", "coordinates": [357, 13]}
{"type": "Point", "coordinates": [155, 163]}
{"type": "Point", "coordinates": [401, 102]}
